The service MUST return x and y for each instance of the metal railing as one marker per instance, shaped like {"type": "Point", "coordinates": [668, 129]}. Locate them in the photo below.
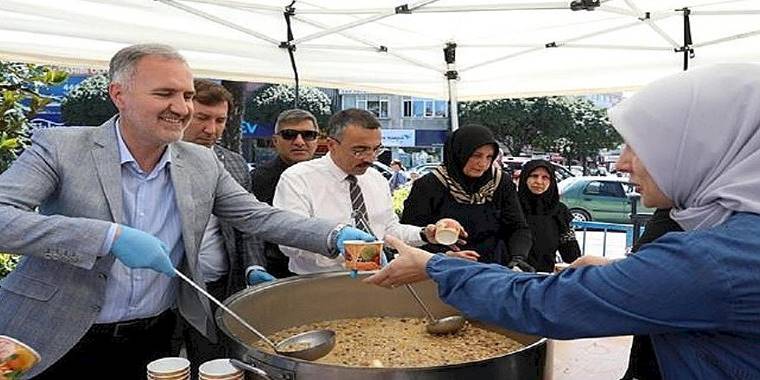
{"type": "Point", "coordinates": [632, 231]}
{"type": "Point", "coordinates": [605, 227]}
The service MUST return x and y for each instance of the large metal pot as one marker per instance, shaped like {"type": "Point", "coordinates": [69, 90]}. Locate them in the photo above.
{"type": "Point", "coordinates": [305, 299]}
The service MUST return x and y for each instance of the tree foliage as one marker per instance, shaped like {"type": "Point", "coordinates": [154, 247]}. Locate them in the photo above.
{"type": "Point", "coordinates": [572, 127]}
{"type": "Point", "coordinates": [589, 132]}
{"type": "Point", "coordinates": [267, 102]}
{"type": "Point", "coordinates": [517, 123]}
{"type": "Point", "coordinates": [20, 100]}
{"type": "Point", "coordinates": [88, 102]}
{"type": "Point", "coordinates": [7, 263]}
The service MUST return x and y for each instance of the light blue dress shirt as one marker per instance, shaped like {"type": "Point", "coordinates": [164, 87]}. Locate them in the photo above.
{"type": "Point", "coordinates": [149, 205]}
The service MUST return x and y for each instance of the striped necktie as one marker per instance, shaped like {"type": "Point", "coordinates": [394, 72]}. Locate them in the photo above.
{"type": "Point", "coordinates": [361, 220]}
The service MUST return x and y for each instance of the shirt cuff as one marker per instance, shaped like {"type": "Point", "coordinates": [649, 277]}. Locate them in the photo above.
{"type": "Point", "coordinates": [108, 242]}
{"type": "Point", "coordinates": [253, 268]}
{"type": "Point", "coordinates": [431, 264]}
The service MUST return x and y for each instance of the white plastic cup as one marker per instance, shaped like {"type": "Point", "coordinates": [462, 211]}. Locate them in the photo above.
{"type": "Point", "coordinates": [171, 368]}
{"type": "Point", "coordinates": [219, 369]}
{"type": "Point", "coordinates": [446, 232]}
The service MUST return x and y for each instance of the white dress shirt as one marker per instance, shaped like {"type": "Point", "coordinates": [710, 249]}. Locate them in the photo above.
{"type": "Point", "coordinates": [318, 188]}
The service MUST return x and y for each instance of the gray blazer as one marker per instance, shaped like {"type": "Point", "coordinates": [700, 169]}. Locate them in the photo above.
{"type": "Point", "coordinates": [73, 177]}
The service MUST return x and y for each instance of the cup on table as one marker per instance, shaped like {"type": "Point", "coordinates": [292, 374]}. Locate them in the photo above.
{"type": "Point", "coordinates": [219, 369]}
{"type": "Point", "coordinates": [169, 369]}
{"type": "Point", "coordinates": [363, 255]}
{"type": "Point", "coordinates": [15, 357]}
{"type": "Point", "coordinates": [446, 232]}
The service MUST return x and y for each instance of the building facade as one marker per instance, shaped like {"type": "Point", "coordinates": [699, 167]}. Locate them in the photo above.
{"type": "Point", "coordinates": [414, 129]}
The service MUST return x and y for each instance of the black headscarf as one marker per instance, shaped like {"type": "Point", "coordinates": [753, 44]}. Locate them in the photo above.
{"type": "Point", "coordinates": [460, 145]}
{"type": "Point", "coordinates": [543, 204]}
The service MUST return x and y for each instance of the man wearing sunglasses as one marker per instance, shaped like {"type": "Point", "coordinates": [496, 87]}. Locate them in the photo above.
{"type": "Point", "coordinates": [295, 140]}
{"type": "Point", "coordinates": [343, 188]}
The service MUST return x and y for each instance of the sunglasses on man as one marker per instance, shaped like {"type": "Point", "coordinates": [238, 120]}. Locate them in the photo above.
{"type": "Point", "coordinates": [292, 134]}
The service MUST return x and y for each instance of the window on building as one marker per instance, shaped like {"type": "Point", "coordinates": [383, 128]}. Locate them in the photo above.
{"type": "Point", "coordinates": [378, 105]}
{"type": "Point", "coordinates": [425, 108]}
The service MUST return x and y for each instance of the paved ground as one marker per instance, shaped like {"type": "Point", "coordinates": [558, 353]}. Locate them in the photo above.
{"type": "Point", "coordinates": [591, 359]}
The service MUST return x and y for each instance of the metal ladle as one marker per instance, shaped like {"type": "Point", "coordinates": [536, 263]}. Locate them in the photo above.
{"type": "Point", "coordinates": [316, 343]}
{"type": "Point", "coordinates": [446, 325]}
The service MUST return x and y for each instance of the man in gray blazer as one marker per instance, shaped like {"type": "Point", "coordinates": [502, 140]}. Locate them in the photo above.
{"type": "Point", "coordinates": [103, 217]}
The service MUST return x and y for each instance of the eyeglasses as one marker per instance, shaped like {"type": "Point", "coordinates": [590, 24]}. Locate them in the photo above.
{"type": "Point", "coordinates": [362, 152]}
{"type": "Point", "coordinates": [292, 134]}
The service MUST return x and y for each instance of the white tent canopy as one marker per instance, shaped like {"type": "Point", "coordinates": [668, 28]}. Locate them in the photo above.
{"type": "Point", "coordinates": [504, 48]}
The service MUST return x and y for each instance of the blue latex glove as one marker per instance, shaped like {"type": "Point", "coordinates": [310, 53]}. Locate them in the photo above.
{"type": "Point", "coordinates": [351, 233]}
{"type": "Point", "coordinates": [257, 275]}
{"type": "Point", "coordinates": [138, 249]}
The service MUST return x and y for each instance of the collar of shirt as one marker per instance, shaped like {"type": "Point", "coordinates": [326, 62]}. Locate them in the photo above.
{"type": "Point", "coordinates": [336, 171]}
{"type": "Point", "coordinates": [125, 156]}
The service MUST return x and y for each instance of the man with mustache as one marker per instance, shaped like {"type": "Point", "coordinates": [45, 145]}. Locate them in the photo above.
{"type": "Point", "coordinates": [343, 187]}
{"type": "Point", "coordinates": [295, 140]}
{"type": "Point", "coordinates": [105, 216]}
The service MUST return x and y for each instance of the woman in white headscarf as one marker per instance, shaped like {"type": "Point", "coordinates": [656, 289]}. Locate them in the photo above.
{"type": "Point", "coordinates": [693, 145]}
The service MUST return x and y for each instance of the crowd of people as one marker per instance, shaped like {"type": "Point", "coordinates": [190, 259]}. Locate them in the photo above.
{"type": "Point", "coordinates": [105, 216]}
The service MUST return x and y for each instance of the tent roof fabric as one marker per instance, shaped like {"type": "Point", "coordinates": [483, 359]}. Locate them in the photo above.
{"type": "Point", "coordinates": [504, 48]}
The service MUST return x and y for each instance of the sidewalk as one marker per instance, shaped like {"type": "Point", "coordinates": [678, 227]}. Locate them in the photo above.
{"type": "Point", "coordinates": [591, 359]}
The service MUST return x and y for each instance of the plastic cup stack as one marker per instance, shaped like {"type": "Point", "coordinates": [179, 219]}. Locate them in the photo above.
{"type": "Point", "coordinates": [219, 369]}
{"type": "Point", "coordinates": [169, 369]}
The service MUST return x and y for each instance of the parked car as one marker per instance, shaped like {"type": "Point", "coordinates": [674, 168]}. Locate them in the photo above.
{"type": "Point", "coordinates": [423, 169]}
{"type": "Point", "coordinates": [602, 199]}
{"type": "Point", "coordinates": [384, 169]}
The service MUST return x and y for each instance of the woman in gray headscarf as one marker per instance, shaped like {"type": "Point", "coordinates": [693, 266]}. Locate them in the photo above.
{"type": "Point", "coordinates": [693, 145]}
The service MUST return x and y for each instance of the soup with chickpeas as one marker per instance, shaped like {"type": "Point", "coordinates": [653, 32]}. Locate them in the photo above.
{"type": "Point", "coordinates": [401, 342]}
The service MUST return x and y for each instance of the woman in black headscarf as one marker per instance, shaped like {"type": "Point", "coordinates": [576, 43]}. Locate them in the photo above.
{"type": "Point", "coordinates": [467, 187]}
{"type": "Point", "coordinates": [548, 218]}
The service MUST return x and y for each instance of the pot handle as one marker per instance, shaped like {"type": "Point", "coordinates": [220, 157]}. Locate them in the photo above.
{"type": "Point", "coordinates": [247, 367]}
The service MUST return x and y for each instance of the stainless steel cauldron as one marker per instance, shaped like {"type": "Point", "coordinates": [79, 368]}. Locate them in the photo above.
{"type": "Point", "coordinates": [305, 299]}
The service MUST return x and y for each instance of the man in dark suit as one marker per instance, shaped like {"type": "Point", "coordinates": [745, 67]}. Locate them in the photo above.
{"type": "Point", "coordinates": [226, 254]}
{"type": "Point", "coordinates": [295, 140]}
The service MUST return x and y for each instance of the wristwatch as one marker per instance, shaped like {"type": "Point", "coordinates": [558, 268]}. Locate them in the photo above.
{"type": "Point", "coordinates": [332, 241]}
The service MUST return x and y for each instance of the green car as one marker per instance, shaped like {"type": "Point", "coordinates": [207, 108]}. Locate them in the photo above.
{"type": "Point", "coordinates": [599, 199]}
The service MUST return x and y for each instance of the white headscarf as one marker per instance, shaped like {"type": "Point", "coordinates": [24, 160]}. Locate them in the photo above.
{"type": "Point", "coordinates": [698, 135]}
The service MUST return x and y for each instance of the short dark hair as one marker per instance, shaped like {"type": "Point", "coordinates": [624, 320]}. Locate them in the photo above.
{"type": "Point", "coordinates": [294, 116]}
{"type": "Point", "coordinates": [352, 116]}
{"type": "Point", "coordinates": [210, 93]}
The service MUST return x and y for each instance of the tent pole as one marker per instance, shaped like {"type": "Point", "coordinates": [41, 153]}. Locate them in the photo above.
{"type": "Point", "coordinates": [289, 12]}
{"type": "Point", "coordinates": [449, 54]}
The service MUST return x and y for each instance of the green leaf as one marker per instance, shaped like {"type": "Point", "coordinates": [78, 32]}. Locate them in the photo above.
{"type": "Point", "coordinates": [8, 144]}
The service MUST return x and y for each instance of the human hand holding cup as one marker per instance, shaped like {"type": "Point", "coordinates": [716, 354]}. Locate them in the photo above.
{"type": "Point", "coordinates": [447, 231]}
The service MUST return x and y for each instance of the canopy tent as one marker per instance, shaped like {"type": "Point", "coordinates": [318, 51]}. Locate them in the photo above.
{"type": "Point", "coordinates": [503, 48]}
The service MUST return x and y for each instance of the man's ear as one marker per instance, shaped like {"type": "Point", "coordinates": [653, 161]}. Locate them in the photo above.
{"type": "Point", "coordinates": [116, 92]}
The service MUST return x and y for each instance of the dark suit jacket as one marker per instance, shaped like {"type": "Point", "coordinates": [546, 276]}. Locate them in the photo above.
{"type": "Point", "coordinates": [243, 250]}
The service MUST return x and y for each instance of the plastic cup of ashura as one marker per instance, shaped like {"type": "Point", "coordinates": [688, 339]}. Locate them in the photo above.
{"type": "Point", "coordinates": [446, 232]}
{"type": "Point", "coordinates": [16, 357]}
{"type": "Point", "coordinates": [219, 369]}
{"type": "Point", "coordinates": [363, 255]}
{"type": "Point", "coordinates": [171, 368]}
